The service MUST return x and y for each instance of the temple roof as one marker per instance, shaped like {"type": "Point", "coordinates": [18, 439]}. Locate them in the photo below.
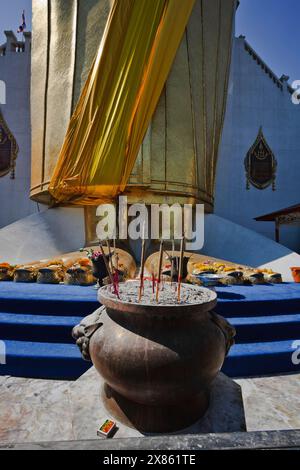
{"type": "Point", "coordinates": [255, 56]}
{"type": "Point", "coordinates": [275, 215]}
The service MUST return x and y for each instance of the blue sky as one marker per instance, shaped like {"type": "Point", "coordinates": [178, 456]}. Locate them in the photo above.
{"type": "Point", "coordinates": [10, 15]}
{"type": "Point", "coordinates": [272, 27]}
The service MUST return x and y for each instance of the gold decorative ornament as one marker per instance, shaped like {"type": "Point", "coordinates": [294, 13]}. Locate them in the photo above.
{"type": "Point", "coordinates": [260, 164]}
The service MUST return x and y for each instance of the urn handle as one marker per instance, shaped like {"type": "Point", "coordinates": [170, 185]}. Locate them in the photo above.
{"type": "Point", "coordinates": [227, 329]}
{"type": "Point", "coordinates": [83, 332]}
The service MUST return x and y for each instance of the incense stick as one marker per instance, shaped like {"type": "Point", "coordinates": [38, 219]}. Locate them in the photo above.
{"type": "Point", "coordinates": [106, 263]}
{"type": "Point", "coordinates": [159, 269]}
{"type": "Point", "coordinates": [116, 257]}
{"type": "Point", "coordinates": [114, 273]}
{"type": "Point", "coordinates": [110, 256]}
{"type": "Point", "coordinates": [115, 266]}
{"type": "Point", "coordinates": [172, 263]}
{"type": "Point", "coordinates": [180, 268]}
{"type": "Point", "coordinates": [142, 269]}
{"type": "Point", "coordinates": [117, 261]}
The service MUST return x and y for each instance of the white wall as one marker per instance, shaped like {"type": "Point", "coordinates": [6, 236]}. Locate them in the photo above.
{"type": "Point", "coordinates": [232, 242]}
{"type": "Point", "coordinates": [254, 100]}
{"type": "Point", "coordinates": [44, 235]}
{"type": "Point", "coordinates": [14, 194]}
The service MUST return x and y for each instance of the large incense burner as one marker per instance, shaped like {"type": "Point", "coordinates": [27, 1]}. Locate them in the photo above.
{"type": "Point", "coordinates": [158, 358]}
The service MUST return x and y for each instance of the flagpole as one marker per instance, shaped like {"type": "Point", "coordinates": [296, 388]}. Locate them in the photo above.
{"type": "Point", "coordinates": [22, 28]}
{"type": "Point", "coordinates": [24, 23]}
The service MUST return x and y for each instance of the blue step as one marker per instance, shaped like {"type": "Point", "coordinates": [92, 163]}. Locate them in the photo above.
{"type": "Point", "coordinates": [37, 320]}
{"type": "Point", "coordinates": [267, 358]}
{"type": "Point", "coordinates": [261, 300]}
{"type": "Point", "coordinates": [47, 299]}
{"type": "Point", "coordinates": [43, 360]}
{"type": "Point", "coordinates": [269, 328]}
{"type": "Point", "coordinates": [42, 328]}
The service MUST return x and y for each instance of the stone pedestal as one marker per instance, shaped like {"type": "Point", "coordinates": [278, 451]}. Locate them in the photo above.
{"type": "Point", "coordinates": [225, 414]}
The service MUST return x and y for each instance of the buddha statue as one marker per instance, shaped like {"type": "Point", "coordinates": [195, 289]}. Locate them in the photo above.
{"type": "Point", "coordinates": [177, 160]}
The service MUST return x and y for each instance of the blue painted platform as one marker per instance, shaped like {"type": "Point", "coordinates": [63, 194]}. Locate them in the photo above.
{"type": "Point", "coordinates": [36, 323]}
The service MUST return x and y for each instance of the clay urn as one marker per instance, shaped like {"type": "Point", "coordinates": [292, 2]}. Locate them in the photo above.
{"type": "Point", "coordinates": [157, 360]}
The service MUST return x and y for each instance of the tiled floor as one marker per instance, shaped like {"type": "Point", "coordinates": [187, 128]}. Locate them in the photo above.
{"type": "Point", "coordinates": [34, 410]}
{"type": "Point", "coordinates": [272, 403]}
{"type": "Point", "coordinates": [44, 410]}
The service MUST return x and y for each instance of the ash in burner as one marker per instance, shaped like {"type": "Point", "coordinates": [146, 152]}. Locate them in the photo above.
{"type": "Point", "coordinates": [129, 292]}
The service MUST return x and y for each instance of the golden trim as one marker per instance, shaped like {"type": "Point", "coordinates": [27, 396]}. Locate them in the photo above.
{"type": "Point", "coordinates": [46, 88]}
{"type": "Point", "coordinates": [196, 177]}
{"type": "Point", "coordinates": [204, 108]}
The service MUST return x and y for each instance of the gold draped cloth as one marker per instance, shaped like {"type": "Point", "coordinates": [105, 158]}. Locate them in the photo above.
{"type": "Point", "coordinates": [107, 128]}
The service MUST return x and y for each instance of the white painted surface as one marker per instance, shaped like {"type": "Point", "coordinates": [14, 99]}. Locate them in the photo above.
{"type": "Point", "coordinates": [227, 240]}
{"type": "Point", "coordinates": [254, 100]}
{"type": "Point", "coordinates": [44, 235]}
{"type": "Point", "coordinates": [14, 194]}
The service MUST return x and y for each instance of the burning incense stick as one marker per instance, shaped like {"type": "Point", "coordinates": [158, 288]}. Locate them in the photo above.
{"type": "Point", "coordinates": [159, 269]}
{"type": "Point", "coordinates": [116, 283]}
{"type": "Point", "coordinates": [172, 262]}
{"type": "Point", "coordinates": [116, 266]}
{"type": "Point", "coordinates": [114, 251]}
{"type": "Point", "coordinates": [117, 261]}
{"type": "Point", "coordinates": [180, 268]}
{"type": "Point", "coordinates": [142, 266]}
{"type": "Point", "coordinates": [106, 263]}
{"type": "Point", "coordinates": [153, 282]}
{"type": "Point", "coordinates": [110, 256]}
{"type": "Point", "coordinates": [116, 256]}
{"type": "Point", "coordinates": [115, 275]}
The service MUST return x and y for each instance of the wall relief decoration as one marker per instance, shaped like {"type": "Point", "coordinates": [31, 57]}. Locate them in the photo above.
{"type": "Point", "coordinates": [8, 149]}
{"type": "Point", "coordinates": [260, 164]}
